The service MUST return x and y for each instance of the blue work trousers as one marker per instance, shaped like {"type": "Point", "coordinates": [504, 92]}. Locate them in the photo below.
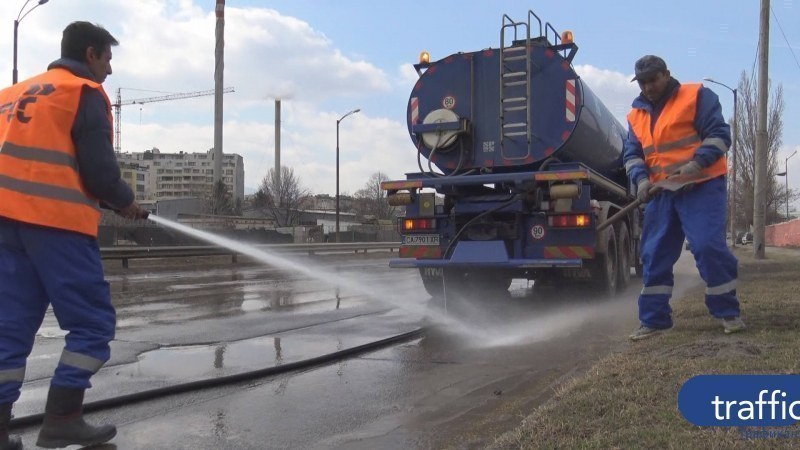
{"type": "Point", "coordinates": [699, 215]}
{"type": "Point", "coordinates": [45, 266]}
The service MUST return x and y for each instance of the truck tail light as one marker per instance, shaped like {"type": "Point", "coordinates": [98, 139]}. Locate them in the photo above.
{"type": "Point", "coordinates": [411, 225]}
{"type": "Point", "coordinates": [569, 221]}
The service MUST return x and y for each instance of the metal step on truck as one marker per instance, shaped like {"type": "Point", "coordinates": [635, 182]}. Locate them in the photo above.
{"type": "Point", "coordinates": [528, 171]}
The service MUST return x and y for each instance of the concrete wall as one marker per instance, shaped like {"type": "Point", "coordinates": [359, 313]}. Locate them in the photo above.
{"type": "Point", "coordinates": [786, 234]}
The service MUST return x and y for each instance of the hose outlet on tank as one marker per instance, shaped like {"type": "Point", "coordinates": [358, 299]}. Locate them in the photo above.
{"type": "Point", "coordinates": [440, 129]}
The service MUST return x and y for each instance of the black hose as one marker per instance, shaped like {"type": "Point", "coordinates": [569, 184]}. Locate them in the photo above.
{"type": "Point", "coordinates": [471, 221]}
{"type": "Point", "coordinates": [122, 400]}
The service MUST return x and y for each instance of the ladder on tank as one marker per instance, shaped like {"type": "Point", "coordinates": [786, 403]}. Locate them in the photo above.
{"type": "Point", "coordinates": [515, 84]}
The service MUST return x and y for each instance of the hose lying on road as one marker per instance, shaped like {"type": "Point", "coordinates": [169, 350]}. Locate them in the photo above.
{"type": "Point", "coordinates": [122, 400]}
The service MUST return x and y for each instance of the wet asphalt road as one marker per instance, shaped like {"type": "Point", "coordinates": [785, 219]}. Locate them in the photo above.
{"type": "Point", "coordinates": [474, 374]}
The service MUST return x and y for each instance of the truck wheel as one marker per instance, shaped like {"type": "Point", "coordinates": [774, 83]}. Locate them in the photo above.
{"type": "Point", "coordinates": [624, 258]}
{"type": "Point", "coordinates": [606, 265]}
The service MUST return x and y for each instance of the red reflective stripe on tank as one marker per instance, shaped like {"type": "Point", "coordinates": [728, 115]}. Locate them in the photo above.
{"type": "Point", "coordinates": [449, 59]}
{"type": "Point", "coordinates": [549, 53]}
{"type": "Point", "coordinates": [570, 100]}
{"type": "Point", "coordinates": [414, 109]}
{"type": "Point", "coordinates": [488, 52]}
{"type": "Point", "coordinates": [549, 151]}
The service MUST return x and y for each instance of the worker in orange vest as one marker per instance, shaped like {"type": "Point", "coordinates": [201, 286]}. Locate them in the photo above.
{"type": "Point", "coordinates": [57, 167]}
{"type": "Point", "coordinates": [677, 131]}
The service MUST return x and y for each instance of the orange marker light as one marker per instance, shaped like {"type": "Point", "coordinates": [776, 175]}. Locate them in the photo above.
{"type": "Point", "coordinates": [424, 57]}
{"type": "Point", "coordinates": [566, 37]}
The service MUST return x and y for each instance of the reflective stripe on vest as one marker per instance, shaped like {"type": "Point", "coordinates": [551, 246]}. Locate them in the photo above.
{"type": "Point", "coordinates": [39, 179]}
{"type": "Point", "coordinates": [674, 140]}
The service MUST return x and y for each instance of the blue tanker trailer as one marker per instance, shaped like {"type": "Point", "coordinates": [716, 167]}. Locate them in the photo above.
{"type": "Point", "coordinates": [519, 164]}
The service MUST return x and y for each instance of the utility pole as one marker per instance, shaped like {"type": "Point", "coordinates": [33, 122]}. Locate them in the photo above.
{"type": "Point", "coordinates": [219, 67]}
{"type": "Point", "coordinates": [760, 189]}
{"type": "Point", "coordinates": [277, 149]}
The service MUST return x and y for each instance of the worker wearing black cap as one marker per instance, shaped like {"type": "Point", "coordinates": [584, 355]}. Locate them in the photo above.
{"type": "Point", "coordinates": [677, 131]}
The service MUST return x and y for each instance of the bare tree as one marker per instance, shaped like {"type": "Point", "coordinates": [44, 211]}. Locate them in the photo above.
{"type": "Point", "coordinates": [281, 203]}
{"type": "Point", "coordinates": [371, 199]}
{"type": "Point", "coordinates": [745, 154]}
{"type": "Point", "coordinates": [220, 202]}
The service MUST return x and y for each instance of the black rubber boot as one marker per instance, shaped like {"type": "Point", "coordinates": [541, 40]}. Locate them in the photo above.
{"type": "Point", "coordinates": [7, 442]}
{"type": "Point", "coordinates": [63, 421]}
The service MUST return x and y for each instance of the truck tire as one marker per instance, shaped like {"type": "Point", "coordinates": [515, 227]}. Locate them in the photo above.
{"type": "Point", "coordinates": [624, 258]}
{"type": "Point", "coordinates": [605, 268]}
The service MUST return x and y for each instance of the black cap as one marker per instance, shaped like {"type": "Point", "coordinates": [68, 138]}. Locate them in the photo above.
{"type": "Point", "coordinates": [647, 66]}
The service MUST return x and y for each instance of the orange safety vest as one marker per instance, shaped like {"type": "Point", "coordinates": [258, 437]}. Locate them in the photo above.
{"type": "Point", "coordinates": [674, 139]}
{"type": "Point", "coordinates": [39, 179]}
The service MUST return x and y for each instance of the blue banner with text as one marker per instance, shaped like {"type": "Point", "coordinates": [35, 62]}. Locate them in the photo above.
{"type": "Point", "coordinates": [741, 400]}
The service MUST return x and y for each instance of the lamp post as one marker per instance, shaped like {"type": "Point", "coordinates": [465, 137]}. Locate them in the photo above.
{"type": "Point", "coordinates": [19, 18]}
{"type": "Point", "coordinates": [785, 174]}
{"type": "Point", "coordinates": [733, 165]}
{"type": "Point", "coordinates": [337, 167]}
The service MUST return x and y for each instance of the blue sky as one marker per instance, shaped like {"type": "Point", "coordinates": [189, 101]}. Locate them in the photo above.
{"type": "Point", "coordinates": [327, 57]}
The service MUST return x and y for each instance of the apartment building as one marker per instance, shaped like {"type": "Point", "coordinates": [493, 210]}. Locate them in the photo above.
{"type": "Point", "coordinates": [160, 176]}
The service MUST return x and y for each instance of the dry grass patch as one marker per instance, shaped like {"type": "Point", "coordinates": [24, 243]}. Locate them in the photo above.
{"type": "Point", "coordinates": [629, 400]}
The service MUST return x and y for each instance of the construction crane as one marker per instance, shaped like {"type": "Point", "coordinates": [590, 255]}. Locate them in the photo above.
{"type": "Point", "coordinates": [119, 103]}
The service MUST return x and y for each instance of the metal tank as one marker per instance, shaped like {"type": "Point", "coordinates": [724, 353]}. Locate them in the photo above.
{"type": "Point", "coordinates": [508, 110]}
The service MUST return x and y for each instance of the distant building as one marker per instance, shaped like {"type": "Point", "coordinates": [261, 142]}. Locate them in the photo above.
{"type": "Point", "coordinates": [326, 202]}
{"type": "Point", "coordinates": [159, 176]}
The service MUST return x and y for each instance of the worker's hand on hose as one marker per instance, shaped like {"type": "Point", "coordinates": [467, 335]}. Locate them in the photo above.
{"type": "Point", "coordinates": [688, 171]}
{"type": "Point", "coordinates": [643, 190]}
{"type": "Point", "coordinates": [133, 211]}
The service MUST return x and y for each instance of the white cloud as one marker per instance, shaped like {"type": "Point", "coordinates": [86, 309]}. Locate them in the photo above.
{"type": "Point", "coordinates": [614, 89]}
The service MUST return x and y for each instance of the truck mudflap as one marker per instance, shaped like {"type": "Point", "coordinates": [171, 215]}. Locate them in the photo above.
{"type": "Point", "coordinates": [484, 254]}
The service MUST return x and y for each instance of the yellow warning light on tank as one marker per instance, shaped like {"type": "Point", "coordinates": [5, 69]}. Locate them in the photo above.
{"type": "Point", "coordinates": [566, 37]}
{"type": "Point", "coordinates": [424, 57]}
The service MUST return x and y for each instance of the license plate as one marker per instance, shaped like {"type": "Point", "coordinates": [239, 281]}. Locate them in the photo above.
{"type": "Point", "coordinates": [421, 239]}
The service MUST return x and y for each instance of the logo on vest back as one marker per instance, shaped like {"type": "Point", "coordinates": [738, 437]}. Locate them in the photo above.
{"type": "Point", "coordinates": [18, 108]}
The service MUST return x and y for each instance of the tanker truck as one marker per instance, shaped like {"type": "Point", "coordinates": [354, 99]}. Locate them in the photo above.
{"type": "Point", "coordinates": [520, 166]}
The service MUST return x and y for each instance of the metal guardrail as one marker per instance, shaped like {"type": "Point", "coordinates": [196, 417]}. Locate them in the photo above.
{"type": "Point", "coordinates": [127, 253]}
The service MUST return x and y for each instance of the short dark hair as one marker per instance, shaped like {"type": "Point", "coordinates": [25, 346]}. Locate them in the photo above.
{"type": "Point", "coordinates": [78, 36]}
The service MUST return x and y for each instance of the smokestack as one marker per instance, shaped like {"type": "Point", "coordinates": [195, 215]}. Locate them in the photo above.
{"type": "Point", "coordinates": [219, 58]}
{"type": "Point", "coordinates": [277, 145]}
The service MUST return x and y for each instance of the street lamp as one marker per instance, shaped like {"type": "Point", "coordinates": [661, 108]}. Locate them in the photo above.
{"type": "Point", "coordinates": [786, 175]}
{"type": "Point", "coordinates": [337, 167]}
{"type": "Point", "coordinates": [19, 18]}
{"type": "Point", "coordinates": [733, 165]}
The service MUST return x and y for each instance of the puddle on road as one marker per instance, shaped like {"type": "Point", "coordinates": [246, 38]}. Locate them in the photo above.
{"type": "Point", "coordinates": [202, 361]}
